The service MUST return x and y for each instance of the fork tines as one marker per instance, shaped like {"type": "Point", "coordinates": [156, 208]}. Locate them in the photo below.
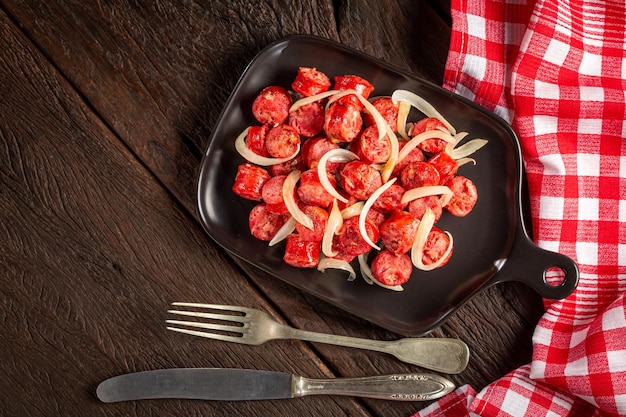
{"type": "Point", "coordinates": [231, 332]}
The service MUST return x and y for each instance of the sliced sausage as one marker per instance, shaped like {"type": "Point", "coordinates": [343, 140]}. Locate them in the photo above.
{"type": "Point", "coordinates": [313, 149]}
{"type": "Point", "coordinates": [391, 269]}
{"type": "Point", "coordinates": [308, 120]}
{"type": "Point", "coordinates": [419, 174]}
{"type": "Point", "coordinates": [359, 179]}
{"type": "Point", "coordinates": [272, 194]}
{"type": "Point", "coordinates": [416, 155]}
{"type": "Point", "coordinates": [301, 253]}
{"type": "Point", "coordinates": [387, 108]}
{"type": "Point", "coordinates": [271, 106]}
{"type": "Point", "coordinates": [371, 149]}
{"type": "Point", "coordinates": [398, 232]}
{"type": "Point", "coordinates": [310, 81]}
{"type": "Point", "coordinates": [464, 196]}
{"type": "Point", "coordinates": [391, 199]}
{"type": "Point", "coordinates": [445, 165]}
{"type": "Point", "coordinates": [255, 140]}
{"type": "Point", "coordinates": [343, 122]}
{"type": "Point", "coordinates": [282, 141]}
{"type": "Point", "coordinates": [431, 145]}
{"type": "Point", "coordinates": [349, 240]}
{"type": "Point", "coordinates": [353, 82]}
{"type": "Point", "coordinates": [319, 216]}
{"type": "Point", "coordinates": [263, 224]}
{"type": "Point", "coordinates": [436, 245]}
{"type": "Point", "coordinates": [418, 207]}
{"type": "Point", "coordinates": [249, 181]}
{"type": "Point", "coordinates": [311, 191]}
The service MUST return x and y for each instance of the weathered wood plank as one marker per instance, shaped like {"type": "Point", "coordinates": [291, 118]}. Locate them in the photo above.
{"type": "Point", "coordinates": [93, 251]}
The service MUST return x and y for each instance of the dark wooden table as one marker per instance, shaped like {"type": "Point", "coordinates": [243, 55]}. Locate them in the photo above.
{"type": "Point", "coordinates": [106, 109]}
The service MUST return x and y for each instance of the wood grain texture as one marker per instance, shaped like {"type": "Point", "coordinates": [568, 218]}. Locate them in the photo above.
{"type": "Point", "coordinates": [93, 252]}
{"type": "Point", "coordinates": [109, 110]}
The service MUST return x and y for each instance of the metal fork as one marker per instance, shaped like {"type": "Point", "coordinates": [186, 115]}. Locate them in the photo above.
{"type": "Point", "coordinates": [254, 327]}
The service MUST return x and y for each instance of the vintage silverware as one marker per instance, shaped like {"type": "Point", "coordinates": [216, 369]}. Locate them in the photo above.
{"type": "Point", "coordinates": [230, 384]}
{"type": "Point", "coordinates": [254, 327]}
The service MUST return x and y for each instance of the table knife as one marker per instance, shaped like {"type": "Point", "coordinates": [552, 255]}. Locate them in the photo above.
{"type": "Point", "coordinates": [231, 384]}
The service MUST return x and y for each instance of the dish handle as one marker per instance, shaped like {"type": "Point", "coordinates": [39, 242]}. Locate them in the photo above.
{"type": "Point", "coordinates": [552, 274]}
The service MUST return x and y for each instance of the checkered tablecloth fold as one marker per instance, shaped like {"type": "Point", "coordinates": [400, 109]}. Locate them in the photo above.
{"type": "Point", "coordinates": [556, 71]}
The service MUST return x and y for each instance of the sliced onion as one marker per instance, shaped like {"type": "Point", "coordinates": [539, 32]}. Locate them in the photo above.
{"type": "Point", "coordinates": [422, 105]}
{"type": "Point", "coordinates": [353, 210]}
{"type": "Point", "coordinates": [249, 155]}
{"type": "Point", "coordinates": [412, 144]}
{"type": "Point", "coordinates": [334, 223]}
{"type": "Point", "coordinates": [404, 109]}
{"type": "Point", "coordinates": [467, 148]}
{"type": "Point", "coordinates": [311, 99]}
{"type": "Point", "coordinates": [464, 161]}
{"type": "Point", "coordinates": [419, 192]}
{"type": "Point", "coordinates": [326, 263]}
{"type": "Point", "coordinates": [366, 208]}
{"type": "Point", "coordinates": [285, 230]}
{"type": "Point", "coordinates": [366, 273]}
{"type": "Point", "coordinates": [289, 187]}
{"type": "Point", "coordinates": [334, 155]}
{"type": "Point", "coordinates": [417, 250]}
{"type": "Point", "coordinates": [387, 169]}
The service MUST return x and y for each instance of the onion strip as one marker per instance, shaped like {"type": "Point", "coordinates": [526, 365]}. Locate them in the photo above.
{"type": "Point", "coordinates": [417, 250]}
{"type": "Point", "coordinates": [366, 208]}
{"type": "Point", "coordinates": [387, 169]}
{"type": "Point", "coordinates": [285, 230]}
{"type": "Point", "coordinates": [422, 105]}
{"type": "Point", "coordinates": [326, 263]}
{"type": "Point", "coordinates": [249, 155]}
{"type": "Point", "coordinates": [289, 187]}
{"type": "Point", "coordinates": [412, 144]}
{"type": "Point", "coordinates": [403, 114]}
{"type": "Point", "coordinates": [467, 148]}
{"type": "Point", "coordinates": [334, 155]}
{"type": "Point", "coordinates": [419, 192]}
{"type": "Point", "coordinates": [334, 223]}
{"type": "Point", "coordinates": [366, 273]}
{"type": "Point", "coordinates": [353, 210]}
{"type": "Point", "coordinates": [311, 99]}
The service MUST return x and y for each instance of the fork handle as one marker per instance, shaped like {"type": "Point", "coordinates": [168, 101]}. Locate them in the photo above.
{"type": "Point", "coordinates": [446, 355]}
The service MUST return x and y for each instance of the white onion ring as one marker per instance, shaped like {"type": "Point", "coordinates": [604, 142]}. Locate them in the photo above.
{"type": "Point", "coordinates": [334, 155]}
{"type": "Point", "coordinates": [311, 99]}
{"type": "Point", "coordinates": [326, 263]}
{"type": "Point", "coordinates": [334, 223]}
{"type": "Point", "coordinates": [422, 105]}
{"type": "Point", "coordinates": [417, 250]}
{"type": "Point", "coordinates": [412, 144]}
{"type": "Point", "coordinates": [249, 155]}
{"type": "Point", "coordinates": [289, 187]}
{"type": "Point", "coordinates": [419, 192]}
{"type": "Point", "coordinates": [285, 230]}
{"type": "Point", "coordinates": [366, 208]}
{"type": "Point", "coordinates": [403, 114]}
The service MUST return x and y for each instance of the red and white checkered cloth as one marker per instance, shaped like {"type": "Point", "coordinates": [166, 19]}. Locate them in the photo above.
{"type": "Point", "coordinates": [556, 70]}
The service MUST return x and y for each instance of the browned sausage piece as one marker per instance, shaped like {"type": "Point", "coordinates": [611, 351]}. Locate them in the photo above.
{"type": "Point", "coordinates": [343, 122]}
{"type": "Point", "coordinates": [356, 83]}
{"type": "Point", "coordinates": [272, 194]}
{"type": "Point", "coordinates": [249, 181]}
{"type": "Point", "coordinates": [310, 81]}
{"type": "Point", "coordinates": [301, 253]}
{"type": "Point", "coordinates": [313, 149]}
{"type": "Point", "coordinates": [391, 199]}
{"type": "Point", "coordinates": [271, 106]}
{"type": "Point", "coordinates": [319, 216]}
{"type": "Point", "coordinates": [445, 165]}
{"type": "Point", "coordinates": [263, 224]}
{"type": "Point", "coordinates": [311, 191]}
{"type": "Point", "coordinates": [370, 148]}
{"type": "Point", "coordinates": [308, 120]}
{"type": "Point", "coordinates": [418, 207]}
{"type": "Point", "coordinates": [432, 145]}
{"type": "Point", "coordinates": [282, 141]}
{"type": "Point", "coordinates": [398, 232]}
{"type": "Point", "coordinates": [349, 240]}
{"type": "Point", "coordinates": [435, 247]}
{"type": "Point", "coordinates": [416, 155]}
{"type": "Point", "coordinates": [419, 174]}
{"type": "Point", "coordinates": [464, 196]}
{"type": "Point", "coordinates": [387, 108]}
{"type": "Point", "coordinates": [391, 269]}
{"type": "Point", "coordinates": [359, 179]}
{"type": "Point", "coordinates": [255, 140]}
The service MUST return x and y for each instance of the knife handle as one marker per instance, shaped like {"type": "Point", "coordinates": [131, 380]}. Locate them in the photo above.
{"type": "Point", "coordinates": [399, 387]}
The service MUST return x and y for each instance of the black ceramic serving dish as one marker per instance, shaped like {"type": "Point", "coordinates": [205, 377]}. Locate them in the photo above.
{"type": "Point", "coordinates": [491, 244]}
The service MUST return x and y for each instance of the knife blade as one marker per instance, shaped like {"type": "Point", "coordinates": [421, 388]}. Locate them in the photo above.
{"type": "Point", "coordinates": [234, 384]}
